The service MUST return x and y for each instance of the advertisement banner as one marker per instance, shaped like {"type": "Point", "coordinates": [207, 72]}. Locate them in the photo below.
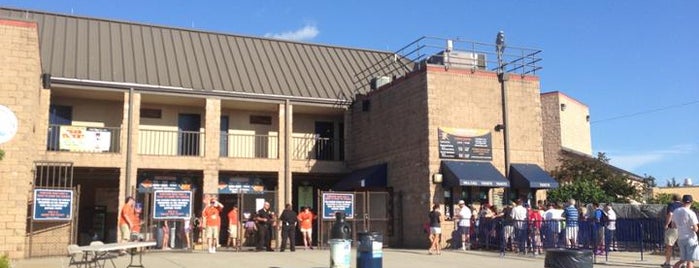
{"type": "Point", "coordinates": [84, 139]}
{"type": "Point", "coordinates": [53, 205]}
{"type": "Point", "coordinates": [465, 143]}
{"type": "Point", "coordinates": [335, 202]}
{"type": "Point", "coordinates": [237, 185]}
{"type": "Point", "coordinates": [172, 205]}
{"type": "Point", "coordinates": [164, 183]}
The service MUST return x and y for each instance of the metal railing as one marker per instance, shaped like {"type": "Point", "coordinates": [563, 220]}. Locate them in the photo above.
{"type": "Point", "coordinates": [69, 138]}
{"type": "Point", "coordinates": [317, 148]}
{"type": "Point", "coordinates": [450, 53]}
{"type": "Point", "coordinates": [249, 146]}
{"type": "Point", "coordinates": [532, 237]}
{"type": "Point", "coordinates": [171, 142]}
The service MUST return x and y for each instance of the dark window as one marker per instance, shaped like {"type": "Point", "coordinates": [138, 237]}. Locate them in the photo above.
{"type": "Point", "coordinates": [260, 120]}
{"type": "Point", "coordinates": [151, 113]}
{"type": "Point", "coordinates": [189, 126]}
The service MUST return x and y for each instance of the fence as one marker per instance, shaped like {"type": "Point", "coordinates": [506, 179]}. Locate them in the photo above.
{"type": "Point", "coordinates": [249, 146]}
{"type": "Point", "coordinates": [317, 148]}
{"type": "Point", "coordinates": [170, 142]}
{"type": "Point", "coordinates": [533, 237]}
{"type": "Point", "coordinates": [83, 139]}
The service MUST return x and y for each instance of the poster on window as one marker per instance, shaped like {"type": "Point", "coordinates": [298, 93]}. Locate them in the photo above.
{"type": "Point", "coordinates": [465, 143]}
{"type": "Point", "coordinates": [84, 139]}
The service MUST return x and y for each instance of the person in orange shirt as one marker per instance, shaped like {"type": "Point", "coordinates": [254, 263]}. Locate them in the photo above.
{"type": "Point", "coordinates": [126, 219]}
{"type": "Point", "coordinates": [212, 221]}
{"type": "Point", "coordinates": [306, 218]}
{"type": "Point", "coordinates": [233, 227]}
{"type": "Point", "coordinates": [136, 227]}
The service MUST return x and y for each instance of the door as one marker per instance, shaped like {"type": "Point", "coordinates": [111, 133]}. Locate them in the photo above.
{"type": "Point", "coordinates": [188, 134]}
{"type": "Point", "coordinates": [223, 144]}
{"type": "Point", "coordinates": [324, 146]}
{"type": "Point", "coordinates": [59, 115]}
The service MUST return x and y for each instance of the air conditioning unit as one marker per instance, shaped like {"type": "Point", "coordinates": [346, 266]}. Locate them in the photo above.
{"type": "Point", "coordinates": [459, 59]}
{"type": "Point", "coordinates": [379, 81]}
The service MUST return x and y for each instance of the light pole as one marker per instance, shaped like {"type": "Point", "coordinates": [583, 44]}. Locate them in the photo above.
{"type": "Point", "coordinates": [502, 78]}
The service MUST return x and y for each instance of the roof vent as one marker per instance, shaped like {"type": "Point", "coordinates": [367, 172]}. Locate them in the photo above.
{"type": "Point", "coordinates": [380, 81]}
{"type": "Point", "coordinates": [459, 59]}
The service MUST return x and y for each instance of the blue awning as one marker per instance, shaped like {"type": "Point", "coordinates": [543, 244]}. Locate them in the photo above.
{"type": "Point", "coordinates": [373, 176]}
{"type": "Point", "coordinates": [530, 176]}
{"type": "Point", "coordinates": [462, 173]}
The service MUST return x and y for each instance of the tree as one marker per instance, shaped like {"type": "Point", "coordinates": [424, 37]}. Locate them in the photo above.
{"type": "Point", "coordinates": [2, 154]}
{"type": "Point", "coordinates": [592, 180]}
{"type": "Point", "coordinates": [672, 183]}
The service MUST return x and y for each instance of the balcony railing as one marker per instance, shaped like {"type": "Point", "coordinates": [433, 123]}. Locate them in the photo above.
{"type": "Point", "coordinates": [249, 146]}
{"type": "Point", "coordinates": [170, 142]}
{"type": "Point", "coordinates": [83, 139]}
{"type": "Point", "coordinates": [317, 148]}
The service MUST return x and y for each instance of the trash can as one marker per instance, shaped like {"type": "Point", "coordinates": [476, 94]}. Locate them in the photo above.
{"type": "Point", "coordinates": [159, 237]}
{"type": "Point", "coordinates": [370, 250]}
{"type": "Point", "coordinates": [340, 253]}
{"type": "Point", "coordinates": [568, 258]}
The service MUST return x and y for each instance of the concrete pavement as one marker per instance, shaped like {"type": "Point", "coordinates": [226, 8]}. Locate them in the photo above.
{"type": "Point", "coordinates": [320, 258]}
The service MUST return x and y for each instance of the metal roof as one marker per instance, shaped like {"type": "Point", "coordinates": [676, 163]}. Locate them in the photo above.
{"type": "Point", "coordinates": [89, 49]}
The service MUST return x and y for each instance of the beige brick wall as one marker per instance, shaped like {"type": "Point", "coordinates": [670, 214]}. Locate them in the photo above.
{"type": "Point", "coordinates": [569, 127]}
{"type": "Point", "coordinates": [394, 131]}
{"type": "Point", "coordinates": [20, 90]}
{"type": "Point", "coordinates": [550, 113]}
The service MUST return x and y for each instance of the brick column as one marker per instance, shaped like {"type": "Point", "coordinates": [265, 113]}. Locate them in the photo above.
{"type": "Point", "coordinates": [212, 151]}
{"type": "Point", "coordinates": [21, 92]}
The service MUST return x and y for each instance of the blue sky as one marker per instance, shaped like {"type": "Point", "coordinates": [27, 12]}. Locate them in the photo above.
{"type": "Point", "coordinates": [634, 63]}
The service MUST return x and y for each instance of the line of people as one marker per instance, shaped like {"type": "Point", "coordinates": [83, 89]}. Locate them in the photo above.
{"type": "Point", "coordinates": [520, 228]}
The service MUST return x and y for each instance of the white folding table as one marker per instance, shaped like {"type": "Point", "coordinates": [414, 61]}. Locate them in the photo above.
{"type": "Point", "coordinates": [130, 247]}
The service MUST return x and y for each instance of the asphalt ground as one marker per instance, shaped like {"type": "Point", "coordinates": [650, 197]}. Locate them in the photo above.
{"type": "Point", "coordinates": [321, 258]}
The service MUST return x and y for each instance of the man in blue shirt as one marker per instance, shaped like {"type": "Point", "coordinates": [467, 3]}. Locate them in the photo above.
{"type": "Point", "coordinates": [600, 221]}
{"type": "Point", "coordinates": [570, 213]}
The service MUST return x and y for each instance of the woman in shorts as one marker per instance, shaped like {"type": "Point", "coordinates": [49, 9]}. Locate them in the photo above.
{"type": "Point", "coordinates": [306, 218]}
{"type": "Point", "coordinates": [435, 230]}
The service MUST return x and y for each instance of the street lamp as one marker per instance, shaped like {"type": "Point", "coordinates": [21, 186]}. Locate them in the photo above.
{"type": "Point", "coordinates": [502, 78]}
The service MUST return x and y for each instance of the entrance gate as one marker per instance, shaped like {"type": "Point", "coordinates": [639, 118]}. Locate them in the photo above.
{"type": "Point", "coordinates": [373, 211]}
{"type": "Point", "coordinates": [51, 237]}
{"type": "Point", "coordinates": [248, 204]}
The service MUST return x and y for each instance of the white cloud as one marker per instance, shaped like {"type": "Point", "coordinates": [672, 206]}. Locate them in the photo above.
{"type": "Point", "coordinates": [308, 32]}
{"type": "Point", "coordinates": [633, 161]}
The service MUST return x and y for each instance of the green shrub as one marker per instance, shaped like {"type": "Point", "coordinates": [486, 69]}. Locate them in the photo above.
{"type": "Point", "coordinates": [4, 261]}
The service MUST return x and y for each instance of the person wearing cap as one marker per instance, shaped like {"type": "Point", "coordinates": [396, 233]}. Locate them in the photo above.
{"type": "Point", "coordinates": [212, 221]}
{"type": "Point", "coordinates": [686, 221]}
{"type": "Point", "coordinates": [670, 228]}
{"type": "Point", "coordinates": [464, 218]}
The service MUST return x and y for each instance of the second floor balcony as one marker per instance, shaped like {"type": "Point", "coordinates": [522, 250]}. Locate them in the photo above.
{"type": "Point", "coordinates": [171, 142]}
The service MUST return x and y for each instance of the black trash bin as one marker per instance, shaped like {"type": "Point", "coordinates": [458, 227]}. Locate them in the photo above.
{"type": "Point", "coordinates": [568, 258]}
{"type": "Point", "coordinates": [370, 250]}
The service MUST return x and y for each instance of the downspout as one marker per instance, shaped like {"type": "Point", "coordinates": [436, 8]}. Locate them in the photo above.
{"type": "Point", "coordinates": [129, 131]}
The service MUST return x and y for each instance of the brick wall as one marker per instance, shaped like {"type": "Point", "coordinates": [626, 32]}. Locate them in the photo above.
{"type": "Point", "coordinates": [550, 113]}
{"type": "Point", "coordinates": [20, 90]}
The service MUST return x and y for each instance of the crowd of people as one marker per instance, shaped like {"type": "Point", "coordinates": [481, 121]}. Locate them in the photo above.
{"type": "Point", "coordinates": [257, 228]}
{"type": "Point", "coordinates": [522, 227]}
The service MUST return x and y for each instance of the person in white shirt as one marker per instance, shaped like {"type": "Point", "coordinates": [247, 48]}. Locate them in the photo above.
{"type": "Point", "coordinates": [611, 227]}
{"type": "Point", "coordinates": [464, 218]}
{"type": "Point", "coordinates": [519, 215]}
{"type": "Point", "coordinates": [686, 221]}
{"type": "Point", "coordinates": [553, 217]}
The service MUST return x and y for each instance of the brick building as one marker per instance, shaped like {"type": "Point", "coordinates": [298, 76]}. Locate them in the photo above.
{"type": "Point", "coordinates": [132, 107]}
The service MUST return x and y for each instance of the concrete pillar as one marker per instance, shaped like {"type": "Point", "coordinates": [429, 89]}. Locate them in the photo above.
{"type": "Point", "coordinates": [129, 173]}
{"type": "Point", "coordinates": [212, 130]}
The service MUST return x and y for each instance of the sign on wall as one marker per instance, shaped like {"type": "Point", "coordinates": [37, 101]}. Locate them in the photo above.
{"type": "Point", "coordinates": [172, 205]}
{"type": "Point", "coordinates": [52, 205]}
{"type": "Point", "coordinates": [465, 143]}
{"type": "Point", "coordinates": [164, 183]}
{"type": "Point", "coordinates": [236, 185]}
{"type": "Point", "coordinates": [84, 139]}
{"type": "Point", "coordinates": [338, 202]}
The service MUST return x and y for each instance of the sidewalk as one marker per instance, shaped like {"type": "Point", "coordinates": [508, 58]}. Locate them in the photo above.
{"type": "Point", "coordinates": [320, 258]}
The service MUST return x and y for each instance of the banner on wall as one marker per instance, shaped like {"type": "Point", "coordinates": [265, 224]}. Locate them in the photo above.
{"type": "Point", "coordinates": [164, 183]}
{"type": "Point", "coordinates": [52, 205]}
{"type": "Point", "coordinates": [465, 143]}
{"type": "Point", "coordinates": [238, 185]}
{"type": "Point", "coordinates": [84, 139]}
{"type": "Point", "coordinates": [338, 202]}
{"type": "Point", "coordinates": [172, 205]}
